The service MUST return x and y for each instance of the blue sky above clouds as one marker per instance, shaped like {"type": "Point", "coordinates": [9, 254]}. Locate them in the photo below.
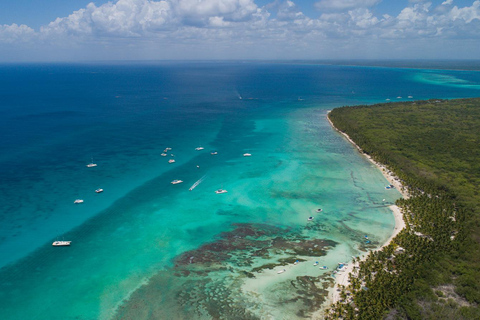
{"type": "Point", "coordinates": [76, 30]}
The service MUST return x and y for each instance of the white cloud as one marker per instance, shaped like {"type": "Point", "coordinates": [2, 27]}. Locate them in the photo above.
{"type": "Point", "coordinates": [16, 33]}
{"type": "Point", "coordinates": [345, 4]}
{"type": "Point", "coordinates": [447, 2]}
{"type": "Point", "coordinates": [468, 14]}
{"type": "Point", "coordinates": [242, 26]}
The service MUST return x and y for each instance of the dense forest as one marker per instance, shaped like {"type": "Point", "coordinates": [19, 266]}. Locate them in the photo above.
{"type": "Point", "coordinates": [431, 270]}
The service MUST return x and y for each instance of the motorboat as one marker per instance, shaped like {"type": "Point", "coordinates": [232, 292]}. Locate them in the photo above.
{"type": "Point", "coordinates": [171, 161]}
{"type": "Point", "coordinates": [319, 210]}
{"type": "Point", "coordinates": [281, 271]}
{"type": "Point", "coordinates": [315, 264]}
{"type": "Point", "coordinates": [219, 191]}
{"type": "Point", "coordinates": [247, 154]}
{"type": "Point", "coordinates": [176, 181]}
{"type": "Point", "coordinates": [214, 153]}
{"type": "Point", "coordinates": [199, 148]}
{"type": "Point", "coordinates": [91, 164]}
{"type": "Point", "coordinates": [78, 201]}
{"type": "Point", "coordinates": [163, 154]}
{"type": "Point", "coordinates": [310, 218]}
{"type": "Point", "coordinates": [61, 243]}
{"type": "Point", "coordinates": [99, 190]}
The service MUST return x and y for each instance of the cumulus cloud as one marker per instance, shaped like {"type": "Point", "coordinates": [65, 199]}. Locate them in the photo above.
{"type": "Point", "coordinates": [243, 24]}
{"type": "Point", "coordinates": [16, 33]}
{"type": "Point", "coordinates": [345, 4]}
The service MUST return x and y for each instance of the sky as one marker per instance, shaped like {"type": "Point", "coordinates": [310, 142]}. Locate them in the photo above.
{"type": "Point", "coordinates": [81, 30]}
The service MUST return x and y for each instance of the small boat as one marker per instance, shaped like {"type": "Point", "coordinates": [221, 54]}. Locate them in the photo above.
{"type": "Point", "coordinates": [99, 190]}
{"type": "Point", "coordinates": [324, 268]}
{"type": "Point", "coordinates": [319, 210]}
{"type": "Point", "coordinates": [399, 97]}
{"type": "Point", "coordinates": [296, 262]}
{"type": "Point", "coordinates": [167, 149]}
{"type": "Point", "coordinates": [199, 148]}
{"type": "Point", "coordinates": [61, 243]}
{"type": "Point", "coordinates": [176, 181]}
{"type": "Point", "coordinates": [171, 161]}
{"type": "Point", "coordinates": [219, 191]}
{"type": "Point", "coordinates": [410, 97]}
{"type": "Point", "coordinates": [78, 201]}
{"type": "Point", "coordinates": [197, 183]}
{"type": "Point", "coordinates": [281, 271]}
{"type": "Point", "coordinates": [387, 99]}
{"type": "Point", "coordinates": [214, 153]}
{"type": "Point", "coordinates": [91, 164]}
{"type": "Point", "coordinates": [247, 154]}
{"type": "Point", "coordinates": [310, 218]}
{"type": "Point", "coordinates": [164, 154]}
{"type": "Point", "coordinates": [315, 264]}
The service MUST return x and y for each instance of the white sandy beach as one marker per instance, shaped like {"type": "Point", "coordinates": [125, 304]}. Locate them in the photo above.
{"type": "Point", "coordinates": [342, 277]}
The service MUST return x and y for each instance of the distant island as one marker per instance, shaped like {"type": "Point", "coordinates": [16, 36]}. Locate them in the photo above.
{"type": "Point", "coordinates": [431, 269]}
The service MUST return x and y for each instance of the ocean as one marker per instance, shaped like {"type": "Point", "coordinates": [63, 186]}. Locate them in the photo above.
{"type": "Point", "coordinates": [149, 249]}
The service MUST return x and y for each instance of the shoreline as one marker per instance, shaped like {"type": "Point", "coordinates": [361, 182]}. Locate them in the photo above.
{"type": "Point", "coordinates": [342, 278]}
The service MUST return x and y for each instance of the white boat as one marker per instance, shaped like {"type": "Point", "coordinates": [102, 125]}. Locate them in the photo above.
{"type": "Point", "coordinates": [176, 181]}
{"type": "Point", "coordinates": [99, 190]}
{"type": "Point", "coordinates": [214, 153]}
{"type": "Point", "coordinates": [163, 154]}
{"type": "Point", "coordinates": [399, 97]}
{"type": "Point", "coordinates": [310, 218]}
{"type": "Point", "coordinates": [61, 243]}
{"type": "Point", "coordinates": [315, 264]}
{"type": "Point", "coordinates": [324, 268]}
{"type": "Point", "coordinates": [319, 210]}
{"type": "Point", "coordinates": [247, 154]}
{"type": "Point", "coordinates": [78, 201]}
{"type": "Point", "coordinates": [281, 271]}
{"type": "Point", "coordinates": [167, 149]}
{"type": "Point", "coordinates": [91, 164]}
{"type": "Point", "coordinates": [410, 97]}
{"type": "Point", "coordinates": [171, 161]}
{"type": "Point", "coordinates": [197, 183]}
{"type": "Point", "coordinates": [296, 262]}
{"type": "Point", "coordinates": [220, 191]}
{"type": "Point", "coordinates": [199, 148]}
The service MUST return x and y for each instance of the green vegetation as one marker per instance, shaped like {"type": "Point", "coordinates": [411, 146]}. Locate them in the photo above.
{"type": "Point", "coordinates": [431, 270]}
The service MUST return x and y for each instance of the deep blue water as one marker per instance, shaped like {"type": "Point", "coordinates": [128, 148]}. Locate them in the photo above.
{"type": "Point", "coordinates": [56, 118]}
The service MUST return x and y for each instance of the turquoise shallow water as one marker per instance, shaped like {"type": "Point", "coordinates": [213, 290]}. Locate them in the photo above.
{"type": "Point", "coordinates": [153, 249]}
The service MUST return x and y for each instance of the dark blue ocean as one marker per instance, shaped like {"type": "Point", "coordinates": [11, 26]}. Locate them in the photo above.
{"type": "Point", "coordinates": [131, 242]}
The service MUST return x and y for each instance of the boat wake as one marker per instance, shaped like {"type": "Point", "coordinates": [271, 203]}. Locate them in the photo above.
{"type": "Point", "coordinates": [197, 183]}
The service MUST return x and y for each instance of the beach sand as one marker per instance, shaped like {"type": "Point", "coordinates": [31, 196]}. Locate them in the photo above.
{"type": "Point", "coordinates": [341, 278]}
